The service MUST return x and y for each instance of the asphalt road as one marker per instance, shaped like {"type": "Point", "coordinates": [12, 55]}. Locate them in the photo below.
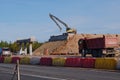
{"type": "Point", "coordinates": [37, 72]}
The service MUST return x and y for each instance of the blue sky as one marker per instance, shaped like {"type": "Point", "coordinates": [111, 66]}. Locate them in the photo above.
{"type": "Point", "coordinates": [25, 18]}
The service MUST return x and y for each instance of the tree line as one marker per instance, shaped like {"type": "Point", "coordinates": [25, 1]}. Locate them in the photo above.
{"type": "Point", "coordinates": [14, 47]}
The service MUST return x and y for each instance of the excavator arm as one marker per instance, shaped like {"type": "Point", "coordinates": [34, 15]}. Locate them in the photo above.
{"type": "Point", "coordinates": [55, 18]}
{"type": "Point", "coordinates": [68, 29]}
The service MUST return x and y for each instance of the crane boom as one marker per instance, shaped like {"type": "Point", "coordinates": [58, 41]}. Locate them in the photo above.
{"type": "Point", "coordinates": [55, 19]}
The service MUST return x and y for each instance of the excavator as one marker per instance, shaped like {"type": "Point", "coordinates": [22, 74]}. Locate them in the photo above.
{"type": "Point", "coordinates": [68, 29]}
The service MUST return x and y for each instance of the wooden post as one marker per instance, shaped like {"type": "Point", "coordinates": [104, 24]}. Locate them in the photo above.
{"type": "Point", "coordinates": [18, 70]}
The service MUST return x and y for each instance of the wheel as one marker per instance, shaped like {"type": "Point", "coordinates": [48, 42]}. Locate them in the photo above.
{"type": "Point", "coordinates": [83, 54]}
{"type": "Point", "coordinates": [94, 54]}
{"type": "Point", "coordinates": [97, 53]}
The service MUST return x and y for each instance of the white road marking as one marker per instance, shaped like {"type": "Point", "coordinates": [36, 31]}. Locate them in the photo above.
{"type": "Point", "coordinates": [46, 77]}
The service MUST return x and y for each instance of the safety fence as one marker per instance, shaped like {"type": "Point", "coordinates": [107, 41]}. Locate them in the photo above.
{"type": "Point", "coordinates": [97, 63]}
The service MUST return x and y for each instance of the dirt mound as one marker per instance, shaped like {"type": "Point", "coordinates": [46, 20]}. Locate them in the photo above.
{"type": "Point", "coordinates": [50, 46]}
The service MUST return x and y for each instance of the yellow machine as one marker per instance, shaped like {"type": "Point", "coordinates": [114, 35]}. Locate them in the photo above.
{"type": "Point", "coordinates": [68, 29]}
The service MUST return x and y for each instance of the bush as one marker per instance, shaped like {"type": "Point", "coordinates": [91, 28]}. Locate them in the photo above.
{"type": "Point", "coordinates": [7, 60]}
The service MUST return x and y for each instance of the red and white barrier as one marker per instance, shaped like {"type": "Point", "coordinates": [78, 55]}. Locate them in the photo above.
{"type": "Point", "coordinates": [34, 60]}
{"type": "Point", "coordinates": [47, 61]}
{"type": "Point", "coordinates": [73, 62]}
{"type": "Point", "coordinates": [88, 63]}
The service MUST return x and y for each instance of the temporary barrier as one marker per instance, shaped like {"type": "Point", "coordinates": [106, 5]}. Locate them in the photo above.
{"type": "Point", "coordinates": [25, 60]}
{"type": "Point", "coordinates": [1, 59]}
{"type": "Point", "coordinates": [58, 61]}
{"type": "Point", "coordinates": [46, 61]}
{"type": "Point", "coordinates": [99, 63]}
{"type": "Point", "coordinates": [73, 62]}
{"type": "Point", "coordinates": [118, 63]}
{"type": "Point", "coordinates": [14, 59]}
{"type": "Point", "coordinates": [7, 60]}
{"type": "Point", "coordinates": [88, 62]}
{"type": "Point", "coordinates": [34, 60]}
{"type": "Point", "coordinates": [105, 63]}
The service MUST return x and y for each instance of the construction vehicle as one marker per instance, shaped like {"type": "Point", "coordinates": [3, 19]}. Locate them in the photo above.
{"type": "Point", "coordinates": [68, 29]}
{"type": "Point", "coordinates": [98, 47]}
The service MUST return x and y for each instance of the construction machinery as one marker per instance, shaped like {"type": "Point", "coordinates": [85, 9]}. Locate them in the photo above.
{"type": "Point", "coordinates": [98, 47]}
{"type": "Point", "coordinates": [68, 29]}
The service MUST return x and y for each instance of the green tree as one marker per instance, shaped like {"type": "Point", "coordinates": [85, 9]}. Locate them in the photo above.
{"type": "Point", "coordinates": [14, 47]}
{"type": "Point", "coordinates": [4, 44]}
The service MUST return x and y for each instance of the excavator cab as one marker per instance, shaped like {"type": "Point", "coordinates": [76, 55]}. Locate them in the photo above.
{"type": "Point", "coordinates": [71, 30]}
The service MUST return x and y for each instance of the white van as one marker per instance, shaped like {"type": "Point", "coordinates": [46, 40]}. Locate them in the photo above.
{"type": "Point", "coordinates": [6, 51]}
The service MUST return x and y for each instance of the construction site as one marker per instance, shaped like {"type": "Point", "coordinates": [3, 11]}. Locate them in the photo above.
{"type": "Point", "coordinates": [67, 43]}
{"type": "Point", "coordinates": [60, 40]}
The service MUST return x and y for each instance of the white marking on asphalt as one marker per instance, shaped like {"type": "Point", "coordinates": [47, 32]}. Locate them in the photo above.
{"type": "Point", "coordinates": [44, 77]}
